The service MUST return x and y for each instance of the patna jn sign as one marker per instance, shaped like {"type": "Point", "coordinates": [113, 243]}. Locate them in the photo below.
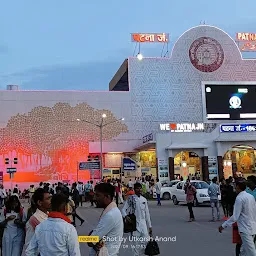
{"type": "Point", "coordinates": [183, 127]}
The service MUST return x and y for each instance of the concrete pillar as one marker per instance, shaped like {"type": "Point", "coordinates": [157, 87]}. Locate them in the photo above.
{"type": "Point", "coordinates": [220, 167]}
{"type": "Point", "coordinates": [171, 168]}
{"type": "Point", "coordinates": [205, 169]}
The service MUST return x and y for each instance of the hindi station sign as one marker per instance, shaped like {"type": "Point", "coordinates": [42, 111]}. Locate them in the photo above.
{"type": "Point", "coordinates": [238, 128]}
{"type": "Point", "coordinates": [150, 37]}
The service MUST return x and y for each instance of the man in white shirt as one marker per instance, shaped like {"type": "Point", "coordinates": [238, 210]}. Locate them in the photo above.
{"type": "Point", "coordinates": [55, 236]}
{"type": "Point", "coordinates": [138, 205]}
{"type": "Point", "coordinates": [110, 226]}
{"type": "Point", "coordinates": [80, 188]}
{"type": "Point", "coordinates": [158, 187]}
{"type": "Point", "coordinates": [130, 184]}
{"type": "Point", "coordinates": [245, 216]}
{"type": "Point", "coordinates": [42, 200]}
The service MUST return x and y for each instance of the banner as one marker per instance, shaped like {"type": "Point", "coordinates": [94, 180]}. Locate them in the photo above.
{"type": "Point", "coordinates": [95, 165]}
{"type": "Point", "coordinates": [129, 164]}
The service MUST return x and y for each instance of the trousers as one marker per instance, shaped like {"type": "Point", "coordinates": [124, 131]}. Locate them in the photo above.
{"type": "Point", "coordinates": [190, 209]}
{"type": "Point", "coordinates": [158, 199]}
{"type": "Point", "coordinates": [248, 245]}
{"type": "Point", "coordinates": [138, 243]}
{"type": "Point", "coordinates": [215, 204]}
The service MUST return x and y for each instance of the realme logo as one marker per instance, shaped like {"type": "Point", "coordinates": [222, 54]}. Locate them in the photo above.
{"type": "Point", "coordinates": [88, 239]}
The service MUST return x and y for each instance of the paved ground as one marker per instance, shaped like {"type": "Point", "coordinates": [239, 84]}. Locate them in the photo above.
{"type": "Point", "coordinates": [199, 238]}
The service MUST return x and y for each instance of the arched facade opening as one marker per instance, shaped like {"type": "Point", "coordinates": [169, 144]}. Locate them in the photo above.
{"type": "Point", "coordinates": [239, 161]}
{"type": "Point", "coordinates": [187, 164]}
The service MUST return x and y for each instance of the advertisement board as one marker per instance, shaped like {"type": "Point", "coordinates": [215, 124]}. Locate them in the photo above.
{"type": "Point", "coordinates": [163, 169]}
{"type": "Point", "coordinates": [230, 102]}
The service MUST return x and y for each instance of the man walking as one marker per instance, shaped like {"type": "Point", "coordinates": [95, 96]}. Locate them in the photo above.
{"type": "Point", "coordinates": [55, 236]}
{"type": "Point", "coordinates": [138, 205]}
{"type": "Point", "coordinates": [244, 215]}
{"type": "Point", "coordinates": [42, 200]}
{"type": "Point", "coordinates": [80, 188]}
{"type": "Point", "coordinates": [158, 187]}
{"type": "Point", "coordinates": [214, 191]}
{"type": "Point", "coordinates": [110, 226]}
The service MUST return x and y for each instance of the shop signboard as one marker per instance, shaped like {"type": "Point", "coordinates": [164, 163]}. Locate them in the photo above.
{"type": "Point", "coordinates": [238, 128]}
{"type": "Point", "coordinates": [182, 127]}
{"type": "Point", "coordinates": [246, 41]}
{"type": "Point", "coordinates": [1, 177]}
{"type": "Point", "coordinates": [106, 171]}
{"type": "Point", "coordinates": [150, 37]}
{"type": "Point", "coordinates": [129, 164]}
{"type": "Point", "coordinates": [148, 138]}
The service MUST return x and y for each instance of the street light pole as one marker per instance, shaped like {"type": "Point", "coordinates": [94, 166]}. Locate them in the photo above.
{"type": "Point", "coordinates": [101, 154]}
{"type": "Point", "coordinates": [101, 125]}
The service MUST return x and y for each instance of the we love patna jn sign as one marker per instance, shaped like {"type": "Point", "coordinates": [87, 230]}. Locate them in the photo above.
{"type": "Point", "coordinates": [182, 127]}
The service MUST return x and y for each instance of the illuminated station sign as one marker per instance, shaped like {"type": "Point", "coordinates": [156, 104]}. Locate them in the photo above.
{"type": "Point", "coordinates": [238, 128]}
{"type": "Point", "coordinates": [246, 41]}
{"type": "Point", "coordinates": [185, 127]}
{"type": "Point", "coordinates": [150, 37]}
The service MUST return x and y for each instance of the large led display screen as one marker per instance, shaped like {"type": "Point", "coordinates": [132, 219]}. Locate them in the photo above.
{"type": "Point", "coordinates": [230, 102]}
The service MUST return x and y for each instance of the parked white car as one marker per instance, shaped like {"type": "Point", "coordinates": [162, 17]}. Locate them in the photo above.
{"type": "Point", "coordinates": [166, 189]}
{"type": "Point", "coordinates": [202, 197]}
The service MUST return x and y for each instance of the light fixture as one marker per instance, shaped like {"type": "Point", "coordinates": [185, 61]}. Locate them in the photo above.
{"type": "Point", "coordinates": [122, 119]}
{"type": "Point", "coordinates": [184, 164]}
{"type": "Point", "coordinates": [104, 115]}
{"type": "Point", "coordinates": [139, 56]}
{"type": "Point", "coordinates": [208, 89]}
{"type": "Point", "coordinates": [78, 119]}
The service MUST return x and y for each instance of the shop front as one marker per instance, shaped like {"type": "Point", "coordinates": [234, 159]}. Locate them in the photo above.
{"type": "Point", "coordinates": [207, 153]}
{"type": "Point", "coordinates": [146, 156]}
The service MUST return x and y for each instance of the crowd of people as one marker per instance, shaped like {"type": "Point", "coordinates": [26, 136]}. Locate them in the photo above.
{"type": "Point", "coordinates": [238, 199]}
{"type": "Point", "coordinates": [48, 226]}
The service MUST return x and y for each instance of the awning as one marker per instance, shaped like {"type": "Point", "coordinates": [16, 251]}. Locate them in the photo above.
{"type": "Point", "coordinates": [146, 146]}
{"type": "Point", "coordinates": [187, 146]}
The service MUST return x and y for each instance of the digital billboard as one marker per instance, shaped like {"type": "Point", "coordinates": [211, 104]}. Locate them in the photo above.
{"type": "Point", "coordinates": [230, 102]}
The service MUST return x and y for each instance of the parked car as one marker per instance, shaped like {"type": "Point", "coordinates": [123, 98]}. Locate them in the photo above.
{"type": "Point", "coordinates": [202, 197]}
{"type": "Point", "coordinates": [166, 189]}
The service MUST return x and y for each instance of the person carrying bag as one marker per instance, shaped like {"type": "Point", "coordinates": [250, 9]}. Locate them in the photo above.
{"type": "Point", "coordinates": [130, 222]}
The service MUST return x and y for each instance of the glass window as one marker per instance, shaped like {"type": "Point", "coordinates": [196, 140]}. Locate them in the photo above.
{"type": "Point", "coordinates": [172, 183]}
{"type": "Point", "coordinates": [179, 186]}
{"type": "Point", "coordinates": [200, 185]}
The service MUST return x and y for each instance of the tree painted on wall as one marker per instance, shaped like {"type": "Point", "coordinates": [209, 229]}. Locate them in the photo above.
{"type": "Point", "coordinates": [49, 141]}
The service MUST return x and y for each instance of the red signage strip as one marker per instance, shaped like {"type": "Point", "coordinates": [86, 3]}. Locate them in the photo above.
{"type": "Point", "coordinates": [150, 38]}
